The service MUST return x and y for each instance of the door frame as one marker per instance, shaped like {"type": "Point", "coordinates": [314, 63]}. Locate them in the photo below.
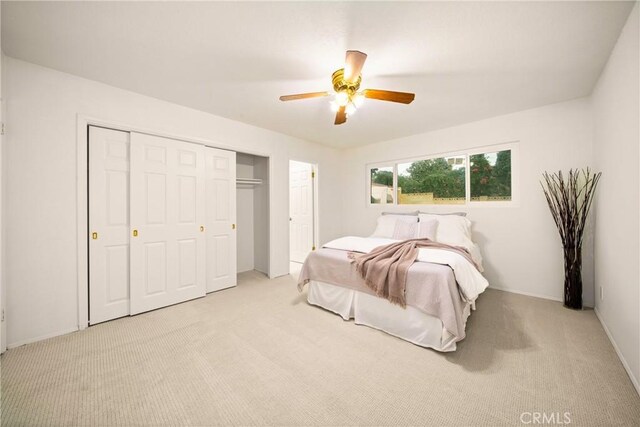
{"type": "Point", "coordinates": [316, 216]}
{"type": "Point", "coordinates": [82, 196]}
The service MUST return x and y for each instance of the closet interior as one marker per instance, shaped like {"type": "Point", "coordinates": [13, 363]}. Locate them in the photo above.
{"type": "Point", "coordinates": [252, 190]}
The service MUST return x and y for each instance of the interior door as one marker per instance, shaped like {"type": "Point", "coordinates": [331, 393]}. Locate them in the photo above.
{"type": "Point", "coordinates": [167, 222]}
{"type": "Point", "coordinates": [108, 224]}
{"type": "Point", "coordinates": [221, 218]}
{"type": "Point", "coordinates": [301, 219]}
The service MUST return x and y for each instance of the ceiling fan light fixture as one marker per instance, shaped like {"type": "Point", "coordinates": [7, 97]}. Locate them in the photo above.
{"type": "Point", "coordinates": [334, 106]}
{"type": "Point", "coordinates": [358, 99]}
{"type": "Point", "coordinates": [350, 109]}
{"type": "Point", "coordinates": [342, 98]}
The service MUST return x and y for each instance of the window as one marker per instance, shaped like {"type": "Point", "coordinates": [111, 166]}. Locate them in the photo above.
{"type": "Point", "coordinates": [476, 176]}
{"type": "Point", "coordinates": [381, 187]}
{"type": "Point", "coordinates": [432, 181]}
{"type": "Point", "coordinates": [490, 176]}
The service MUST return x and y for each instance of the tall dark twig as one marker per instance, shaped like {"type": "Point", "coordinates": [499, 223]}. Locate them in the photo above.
{"type": "Point", "coordinates": [569, 202]}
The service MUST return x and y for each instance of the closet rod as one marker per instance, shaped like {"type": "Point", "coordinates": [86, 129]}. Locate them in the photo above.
{"type": "Point", "coordinates": [248, 181]}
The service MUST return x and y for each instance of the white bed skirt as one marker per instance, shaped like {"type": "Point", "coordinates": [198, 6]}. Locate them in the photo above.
{"type": "Point", "coordinates": [410, 324]}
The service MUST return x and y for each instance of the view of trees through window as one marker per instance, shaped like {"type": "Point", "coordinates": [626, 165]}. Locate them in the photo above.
{"type": "Point", "coordinates": [382, 185]}
{"type": "Point", "coordinates": [433, 181]}
{"type": "Point", "coordinates": [442, 180]}
{"type": "Point", "coordinates": [490, 176]}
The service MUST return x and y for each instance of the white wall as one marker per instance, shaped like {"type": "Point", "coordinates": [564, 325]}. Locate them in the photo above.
{"type": "Point", "coordinates": [39, 169]}
{"type": "Point", "coordinates": [616, 145]}
{"type": "Point", "coordinates": [244, 219]}
{"type": "Point", "coordinates": [244, 214]}
{"type": "Point", "coordinates": [261, 215]}
{"type": "Point", "coordinates": [521, 247]}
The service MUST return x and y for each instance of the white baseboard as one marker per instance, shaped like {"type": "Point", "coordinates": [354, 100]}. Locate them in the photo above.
{"type": "Point", "coordinates": [529, 294]}
{"type": "Point", "coordinates": [42, 337]}
{"type": "Point", "coordinates": [634, 380]}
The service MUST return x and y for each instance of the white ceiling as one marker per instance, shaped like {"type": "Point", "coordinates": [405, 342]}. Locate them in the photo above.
{"type": "Point", "coordinates": [465, 61]}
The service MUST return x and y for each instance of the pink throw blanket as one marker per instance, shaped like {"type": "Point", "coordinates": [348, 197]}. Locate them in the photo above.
{"type": "Point", "coordinates": [385, 268]}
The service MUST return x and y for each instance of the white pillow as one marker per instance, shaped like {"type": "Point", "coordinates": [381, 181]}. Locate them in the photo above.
{"type": "Point", "coordinates": [452, 229]}
{"type": "Point", "coordinates": [387, 224]}
{"type": "Point", "coordinates": [405, 230]}
{"type": "Point", "coordinates": [416, 230]}
{"type": "Point", "coordinates": [427, 229]}
{"type": "Point", "coordinates": [455, 230]}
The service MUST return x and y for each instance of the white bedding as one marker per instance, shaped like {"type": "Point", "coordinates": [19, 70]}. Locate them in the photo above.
{"type": "Point", "coordinates": [410, 324]}
{"type": "Point", "coordinates": [469, 279]}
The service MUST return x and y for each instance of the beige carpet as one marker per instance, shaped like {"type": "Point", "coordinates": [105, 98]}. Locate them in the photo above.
{"type": "Point", "coordinates": [259, 355]}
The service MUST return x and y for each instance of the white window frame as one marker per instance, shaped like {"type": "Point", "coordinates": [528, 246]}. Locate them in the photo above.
{"type": "Point", "coordinates": [515, 168]}
{"type": "Point", "coordinates": [393, 167]}
{"type": "Point", "coordinates": [515, 176]}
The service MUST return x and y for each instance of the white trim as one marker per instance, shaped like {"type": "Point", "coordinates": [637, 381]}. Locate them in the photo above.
{"type": "Point", "coordinates": [82, 221]}
{"type": "Point", "coordinates": [395, 185]}
{"type": "Point", "coordinates": [3, 287]}
{"type": "Point", "coordinates": [82, 141]}
{"type": "Point", "coordinates": [270, 220]}
{"type": "Point", "coordinates": [514, 147]}
{"type": "Point", "coordinates": [42, 337]}
{"type": "Point", "coordinates": [528, 294]}
{"type": "Point", "coordinates": [633, 379]}
{"type": "Point", "coordinates": [316, 206]}
{"type": "Point", "coordinates": [467, 179]}
{"type": "Point", "coordinates": [380, 165]}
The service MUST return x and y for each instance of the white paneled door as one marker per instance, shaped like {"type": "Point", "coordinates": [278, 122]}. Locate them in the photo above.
{"type": "Point", "coordinates": [301, 210]}
{"type": "Point", "coordinates": [220, 218]}
{"type": "Point", "coordinates": [167, 222]}
{"type": "Point", "coordinates": [108, 224]}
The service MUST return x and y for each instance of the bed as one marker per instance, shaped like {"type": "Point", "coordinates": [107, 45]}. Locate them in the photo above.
{"type": "Point", "coordinates": [441, 286]}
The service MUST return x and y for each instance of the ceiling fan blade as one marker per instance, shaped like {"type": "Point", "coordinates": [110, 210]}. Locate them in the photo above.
{"type": "Point", "coordinates": [353, 65]}
{"type": "Point", "coordinates": [341, 116]}
{"type": "Point", "coordinates": [387, 95]}
{"type": "Point", "coordinates": [303, 96]}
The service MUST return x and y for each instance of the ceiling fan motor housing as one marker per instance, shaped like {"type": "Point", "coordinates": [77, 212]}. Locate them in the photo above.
{"type": "Point", "coordinates": [341, 85]}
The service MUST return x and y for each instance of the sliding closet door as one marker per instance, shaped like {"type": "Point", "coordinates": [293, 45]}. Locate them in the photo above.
{"type": "Point", "coordinates": [221, 218]}
{"type": "Point", "coordinates": [108, 224]}
{"type": "Point", "coordinates": [167, 222]}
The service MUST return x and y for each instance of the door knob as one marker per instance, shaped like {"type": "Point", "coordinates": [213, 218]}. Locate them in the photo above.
{"type": "Point", "coordinates": [202, 228]}
{"type": "Point", "coordinates": [233, 226]}
{"type": "Point", "coordinates": [94, 235]}
{"type": "Point", "coordinates": [135, 233]}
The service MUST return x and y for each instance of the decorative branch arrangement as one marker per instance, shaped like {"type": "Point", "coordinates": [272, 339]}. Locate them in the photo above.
{"type": "Point", "coordinates": [569, 202]}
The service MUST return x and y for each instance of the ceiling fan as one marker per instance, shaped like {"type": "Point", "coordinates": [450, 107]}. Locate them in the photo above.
{"type": "Point", "coordinates": [346, 84]}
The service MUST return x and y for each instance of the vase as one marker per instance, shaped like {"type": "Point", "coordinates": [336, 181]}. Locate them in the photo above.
{"type": "Point", "coordinates": [573, 278]}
